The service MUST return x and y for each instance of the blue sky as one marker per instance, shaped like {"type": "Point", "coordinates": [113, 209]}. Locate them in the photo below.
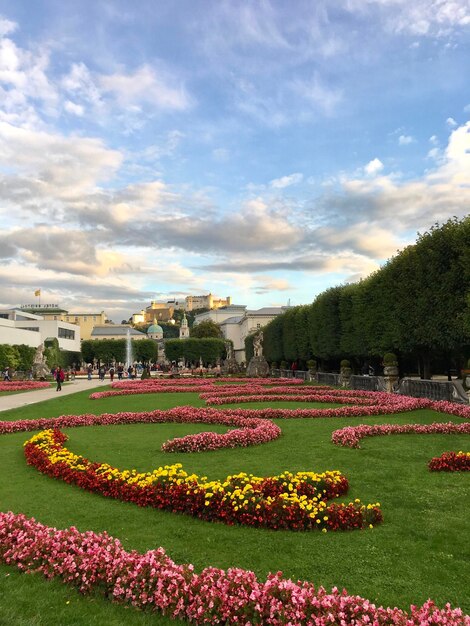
{"type": "Point", "coordinates": [263, 150]}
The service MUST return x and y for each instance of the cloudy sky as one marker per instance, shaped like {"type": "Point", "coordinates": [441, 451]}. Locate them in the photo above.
{"type": "Point", "coordinates": [260, 149]}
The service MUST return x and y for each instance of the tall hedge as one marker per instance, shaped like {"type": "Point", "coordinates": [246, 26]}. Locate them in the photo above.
{"type": "Point", "coordinates": [192, 350]}
{"type": "Point", "coordinates": [417, 305]}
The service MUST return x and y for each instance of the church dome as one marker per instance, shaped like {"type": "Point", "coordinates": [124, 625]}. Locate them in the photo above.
{"type": "Point", "coordinates": [154, 329]}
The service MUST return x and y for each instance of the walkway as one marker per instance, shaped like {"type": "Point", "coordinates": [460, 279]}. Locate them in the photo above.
{"type": "Point", "coordinates": [16, 400]}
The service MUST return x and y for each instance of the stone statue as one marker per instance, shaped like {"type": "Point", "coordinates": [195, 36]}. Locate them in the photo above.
{"type": "Point", "coordinates": [229, 350]}
{"type": "Point", "coordinates": [40, 369]}
{"type": "Point", "coordinates": [230, 365]}
{"type": "Point", "coordinates": [39, 355]}
{"type": "Point", "coordinates": [258, 343]}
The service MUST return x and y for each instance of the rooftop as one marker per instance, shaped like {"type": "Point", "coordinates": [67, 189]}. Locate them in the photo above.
{"type": "Point", "coordinates": [114, 329]}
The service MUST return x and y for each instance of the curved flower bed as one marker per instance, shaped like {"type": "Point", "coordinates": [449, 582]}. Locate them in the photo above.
{"type": "Point", "coordinates": [352, 435]}
{"type": "Point", "coordinates": [208, 382]}
{"type": "Point", "coordinates": [288, 501]}
{"type": "Point", "coordinates": [185, 413]}
{"type": "Point", "coordinates": [217, 399]}
{"type": "Point", "coordinates": [126, 388]}
{"type": "Point", "coordinates": [214, 596]}
{"type": "Point", "coordinates": [450, 462]}
{"type": "Point", "coordinates": [23, 385]}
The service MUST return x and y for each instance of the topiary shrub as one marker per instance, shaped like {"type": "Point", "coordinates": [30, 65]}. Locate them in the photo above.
{"type": "Point", "coordinates": [345, 363]}
{"type": "Point", "coordinates": [390, 359]}
{"type": "Point", "coordinates": [312, 364]}
{"type": "Point", "coordinates": [283, 365]}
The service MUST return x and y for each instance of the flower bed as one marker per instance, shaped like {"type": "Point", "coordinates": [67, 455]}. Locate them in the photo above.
{"type": "Point", "coordinates": [131, 387]}
{"type": "Point", "coordinates": [208, 382]}
{"type": "Point", "coordinates": [152, 580]}
{"type": "Point", "coordinates": [351, 435]}
{"type": "Point", "coordinates": [23, 385]}
{"type": "Point", "coordinates": [450, 462]}
{"type": "Point", "coordinates": [289, 501]}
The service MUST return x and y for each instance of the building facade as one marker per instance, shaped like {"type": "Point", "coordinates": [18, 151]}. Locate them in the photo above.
{"type": "Point", "coordinates": [20, 327]}
{"type": "Point", "coordinates": [193, 303]}
{"type": "Point", "coordinates": [86, 321]}
{"type": "Point", "coordinates": [116, 331]}
{"type": "Point", "coordinates": [236, 323]}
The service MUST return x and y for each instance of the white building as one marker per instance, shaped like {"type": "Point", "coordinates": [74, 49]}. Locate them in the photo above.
{"type": "Point", "coordinates": [236, 323]}
{"type": "Point", "coordinates": [19, 327]}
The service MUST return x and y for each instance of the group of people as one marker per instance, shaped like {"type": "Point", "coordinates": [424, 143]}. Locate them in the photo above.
{"type": "Point", "coordinates": [120, 370]}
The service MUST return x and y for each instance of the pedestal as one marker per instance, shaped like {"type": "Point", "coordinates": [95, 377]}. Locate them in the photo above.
{"type": "Point", "coordinates": [257, 367]}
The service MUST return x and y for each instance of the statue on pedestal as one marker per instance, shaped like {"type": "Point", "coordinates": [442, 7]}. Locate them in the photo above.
{"type": "Point", "coordinates": [230, 364]}
{"type": "Point", "coordinates": [258, 366]}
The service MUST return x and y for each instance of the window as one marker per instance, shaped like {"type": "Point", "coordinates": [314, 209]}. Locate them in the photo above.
{"type": "Point", "coordinates": [33, 328]}
{"type": "Point", "coordinates": [65, 333]}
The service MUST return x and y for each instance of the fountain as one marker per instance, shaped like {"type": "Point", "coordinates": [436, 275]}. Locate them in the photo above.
{"type": "Point", "coordinates": [129, 357]}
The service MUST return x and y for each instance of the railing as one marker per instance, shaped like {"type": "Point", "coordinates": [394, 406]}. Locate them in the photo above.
{"type": "Point", "coordinates": [303, 375]}
{"type": "Point", "coordinates": [433, 390]}
{"type": "Point", "coordinates": [366, 383]}
{"type": "Point", "coordinates": [327, 378]}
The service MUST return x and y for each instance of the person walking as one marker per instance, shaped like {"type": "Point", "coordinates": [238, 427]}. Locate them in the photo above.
{"type": "Point", "coordinates": [102, 372]}
{"type": "Point", "coordinates": [111, 373]}
{"type": "Point", "coordinates": [59, 376]}
{"type": "Point", "coordinates": [89, 371]}
{"type": "Point", "coordinates": [120, 371]}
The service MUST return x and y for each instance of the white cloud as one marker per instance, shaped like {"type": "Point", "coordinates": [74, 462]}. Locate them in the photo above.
{"type": "Point", "coordinates": [404, 140]}
{"type": "Point", "coordinates": [373, 167]}
{"type": "Point", "coordinates": [451, 122]}
{"type": "Point", "coordinates": [7, 27]}
{"type": "Point", "coordinates": [80, 82]}
{"type": "Point", "coordinates": [146, 85]}
{"type": "Point", "coordinates": [433, 140]}
{"type": "Point", "coordinates": [439, 194]}
{"type": "Point", "coordinates": [287, 181]}
{"type": "Point", "coordinates": [75, 109]}
{"type": "Point", "coordinates": [419, 18]}
{"type": "Point", "coordinates": [55, 166]}
{"type": "Point", "coordinates": [467, 108]}
{"type": "Point", "coordinates": [315, 92]}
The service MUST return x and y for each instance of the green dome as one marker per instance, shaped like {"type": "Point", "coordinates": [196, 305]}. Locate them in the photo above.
{"type": "Point", "coordinates": [154, 328]}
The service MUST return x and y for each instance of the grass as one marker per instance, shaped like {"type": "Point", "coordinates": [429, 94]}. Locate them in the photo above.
{"type": "Point", "coordinates": [417, 553]}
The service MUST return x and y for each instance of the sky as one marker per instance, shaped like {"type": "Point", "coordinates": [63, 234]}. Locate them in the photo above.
{"type": "Point", "coordinates": [263, 150]}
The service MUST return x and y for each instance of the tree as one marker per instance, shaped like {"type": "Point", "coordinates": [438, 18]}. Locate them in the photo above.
{"type": "Point", "coordinates": [249, 349]}
{"type": "Point", "coordinates": [207, 328]}
{"type": "Point", "coordinates": [145, 350]}
{"type": "Point", "coordinates": [192, 349]}
{"type": "Point", "coordinates": [9, 357]}
{"type": "Point", "coordinates": [272, 340]}
{"type": "Point", "coordinates": [26, 357]}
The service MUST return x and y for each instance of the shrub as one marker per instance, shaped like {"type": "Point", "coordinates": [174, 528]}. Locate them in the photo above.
{"type": "Point", "coordinates": [390, 359]}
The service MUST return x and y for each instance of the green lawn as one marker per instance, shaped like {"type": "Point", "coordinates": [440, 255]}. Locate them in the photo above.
{"type": "Point", "coordinates": [419, 552]}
